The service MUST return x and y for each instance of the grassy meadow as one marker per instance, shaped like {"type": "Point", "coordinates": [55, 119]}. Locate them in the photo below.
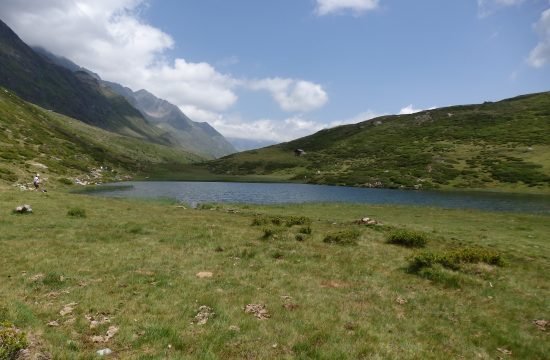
{"type": "Point", "coordinates": [84, 273]}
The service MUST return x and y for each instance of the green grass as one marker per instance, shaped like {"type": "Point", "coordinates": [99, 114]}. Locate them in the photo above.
{"type": "Point", "coordinates": [497, 146]}
{"type": "Point", "coordinates": [135, 263]}
{"type": "Point", "coordinates": [61, 149]}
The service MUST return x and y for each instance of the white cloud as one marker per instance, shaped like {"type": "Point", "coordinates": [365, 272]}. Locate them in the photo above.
{"type": "Point", "coordinates": [488, 7]}
{"type": "Point", "coordinates": [325, 7]}
{"type": "Point", "coordinates": [409, 109]}
{"type": "Point", "coordinates": [278, 130]}
{"type": "Point", "coordinates": [111, 39]}
{"type": "Point", "coordinates": [540, 55]}
{"type": "Point", "coordinates": [293, 95]}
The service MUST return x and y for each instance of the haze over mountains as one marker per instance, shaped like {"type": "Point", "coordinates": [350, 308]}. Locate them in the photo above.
{"type": "Point", "coordinates": [58, 84]}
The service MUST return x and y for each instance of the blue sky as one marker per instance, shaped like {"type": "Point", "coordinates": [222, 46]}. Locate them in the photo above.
{"type": "Point", "coordinates": [280, 69]}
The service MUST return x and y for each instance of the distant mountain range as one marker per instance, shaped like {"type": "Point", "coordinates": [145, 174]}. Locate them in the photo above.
{"type": "Point", "coordinates": [58, 84]}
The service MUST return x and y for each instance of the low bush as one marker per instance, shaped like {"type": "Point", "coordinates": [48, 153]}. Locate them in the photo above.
{"type": "Point", "coordinates": [65, 181]}
{"type": "Point", "coordinates": [76, 212]}
{"type": "Point", "coordinates": [453, 259]}
{"type": "Point", "coordinates": [270, 233]}
{"type": "Point", "coordinates": [297, 220]}
{"type": "Point", "coordinates": [408, 238]}
{"type": "Point", "coordinates": [305, 230]}
{"type": "Point", "coordinates": [344, 237]}
{"type": "Point", "coordinates": [11, 341]}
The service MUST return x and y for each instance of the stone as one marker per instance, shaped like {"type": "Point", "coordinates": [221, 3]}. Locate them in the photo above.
{"type": "Point", "coordinates": [204, 274]}
{"type": "Point", "coordinates": [23, 209]}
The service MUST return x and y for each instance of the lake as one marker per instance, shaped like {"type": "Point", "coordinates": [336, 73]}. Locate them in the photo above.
{"type": "Point", "coordinates": [275, 193]}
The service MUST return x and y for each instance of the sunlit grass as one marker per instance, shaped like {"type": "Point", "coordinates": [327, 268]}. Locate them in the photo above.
{"type": "Point", "coordinates": [136, 262]}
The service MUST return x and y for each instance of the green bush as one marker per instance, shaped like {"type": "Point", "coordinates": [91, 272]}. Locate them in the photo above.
{"type": "Point", "coordinates": [297, 220]}
{"type": "Point", "coordinates": [305, 230]}
{"type": "Point", "coordinates": [344, 237]}
{"type": "Point", "coordinates": [408, 238]}
{"type": "Point", "coordinates": [11, 341]}
{"type": "Point", "coordinates": [65, 181]}
{"type": "Point", "coordinates": [270, 233]}
{"type": "Point", "coordinates": [77, 212]}
{"type": "Point", "coordinates": [453, 259]}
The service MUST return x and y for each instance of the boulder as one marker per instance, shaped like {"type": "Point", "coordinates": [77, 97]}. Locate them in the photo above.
{"type": "Point", "coordinates": [23, 209]}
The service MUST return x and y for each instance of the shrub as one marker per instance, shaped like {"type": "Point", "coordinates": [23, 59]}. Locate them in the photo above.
{"type": "Point", "coordinates": [407, 238]}
{"type": "Point", "coordinates": [65, 181]}
{"type": "Point", "coordinates": [270, 233]}
{"type": "Point", "coordinates": [305, 230]}
{"type": "Point", "coordinates": [77, 212]}
{"type": "Point", "coordinates": [344, 237]}
{"type": "Point", "coordinates": [452, 259]}
{"type": "Point", "coordinates": [297, 220]}
{"type": "Point", "coordinates": [11, 341]}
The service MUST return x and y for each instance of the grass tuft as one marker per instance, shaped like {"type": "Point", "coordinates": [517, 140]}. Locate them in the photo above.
{"type": "Point", "coordinates": [407, 238]}
{"type": "Point", "coordinates": [76, 212]}
{"type": "Point", "coordinates": [344, 237]}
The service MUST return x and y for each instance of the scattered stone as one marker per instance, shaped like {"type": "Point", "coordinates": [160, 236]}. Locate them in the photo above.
{"type": "Point", "coordinates": [400, 300]}
{"type": "Point", "coordinates": [37, 277]}
{"type": "Point", "coordinates": [258, 310]}
{"type": "Point", "coordinates": [205, 313]}
{"type": "Point", "coordinates": [95, 321]}
{"type": "Point", "coordinates": [53, 323]}
{"type": "Point", "coordinates": [367, 221]}
{"type": "Point", "coordinates": [204, 274]}
{"type": "Point", "coordinates": [541, 324]}
{"type": "Point", "coordinates": [104, 352]}
{"type": "Point", "coordinates": [23, 209]}
{"type": "Point", "coordinates": [103, 339]}
{"type": "Point", "coordinates": [67, 309]}
{"type": "Point", "coordinates": [504, 351]}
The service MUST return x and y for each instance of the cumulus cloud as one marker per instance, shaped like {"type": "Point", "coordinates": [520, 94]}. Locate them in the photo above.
{"type": "Point", "coordinates": [278, 130]}
{"type": "Point", "coordinates": [540, 55]}
{"type": "Point", "coordinates": [409, 109]}
{"type": "Point", "coordinates": [293, 95]}
{"type": "Point", "coordinates": [110, 38]}
{"type": "Point", "coordinates": [325, 7]}
{"type": "Point", "coordinates": [488, 7]}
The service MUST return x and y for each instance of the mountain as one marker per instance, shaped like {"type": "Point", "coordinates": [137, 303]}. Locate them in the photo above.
{"type": "Point", "coordinates": [33, 140]}
{"type": "Point", "coordinates": [494, 145]}
{"type": "Point", "coordinates": [77, 94]}
{"type": "Point", "coordinates": [249, 144]}
{"type": "Point", "coordinates": [193, 136]}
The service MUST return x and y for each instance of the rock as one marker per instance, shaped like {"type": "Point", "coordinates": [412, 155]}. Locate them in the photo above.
{"type": "Point", "coordinates": [205, 313]}
{"type": "Point", "coordinates": [53, 323]}
{"type": "Point", "coordinates": [204, 274]}
{"type": "Point", "coordinates": [541, 324]}
{"type": "Point", "coordinates": [23, 209]}
{"type": "Point", "coordinates": [67, 309]}
{"type": "Point", "coordinates": [367, 221]}
{"type": "Point", "coordinates": [104, 352]}
{"type": "Point", "coordinates": [258, 310]}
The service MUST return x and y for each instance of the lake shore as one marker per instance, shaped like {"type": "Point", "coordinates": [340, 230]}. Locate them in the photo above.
{"type": "Point", "coordinates": [147, 268]}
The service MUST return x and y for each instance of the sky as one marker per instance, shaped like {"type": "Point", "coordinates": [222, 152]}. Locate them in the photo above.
{"type": "Point", "coordinates": [276, 70]}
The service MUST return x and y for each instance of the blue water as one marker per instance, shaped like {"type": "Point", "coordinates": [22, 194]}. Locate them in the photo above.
{"type": "Point", "coordinates": [271, 193]}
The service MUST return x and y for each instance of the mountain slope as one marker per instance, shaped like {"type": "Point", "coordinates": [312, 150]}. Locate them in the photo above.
{"type": "Point", "coordinates": [36, 140]}
{"type": "Point", "coordinates": [502, 145]}
{"type": "Point", "coordinates": [79, 95]}
{"type": "Point", "coordinates": [193, 136]}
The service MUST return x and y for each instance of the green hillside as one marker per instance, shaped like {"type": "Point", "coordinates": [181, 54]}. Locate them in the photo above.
{"type": "Point", "coordinates": [502, 145]}
{"type": "Point", "coordinates": [63, 149]}
{"type": "Point", "coordinates": [40, 81]}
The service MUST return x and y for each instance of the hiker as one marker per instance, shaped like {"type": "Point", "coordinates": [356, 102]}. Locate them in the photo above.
{"type": "Point", "coordinates": [36, 181]}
